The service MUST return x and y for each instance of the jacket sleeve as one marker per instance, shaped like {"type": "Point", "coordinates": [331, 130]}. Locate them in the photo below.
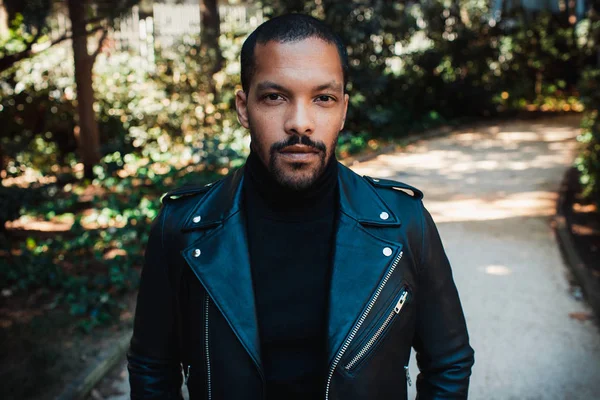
{"type": "Point", "coordinates": [153, 362]}
{"type": "Point", "coordinates": [441, 341]}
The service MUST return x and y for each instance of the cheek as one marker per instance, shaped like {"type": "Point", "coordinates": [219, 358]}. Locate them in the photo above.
{"type": "Point", "coordinates": [330, 127]}
{"type": "Point", "coordinates": [262, 132]}
{"type": "Point", "coordinates": [265, 120]}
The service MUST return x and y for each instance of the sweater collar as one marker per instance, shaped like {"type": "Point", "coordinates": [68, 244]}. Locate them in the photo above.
{"type": "Point", "coordinates": [281, 202]}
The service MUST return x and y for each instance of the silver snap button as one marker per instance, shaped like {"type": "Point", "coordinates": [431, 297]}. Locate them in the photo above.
{"type": "Point", "coordinates": [197, 253]}
{"type": "Point", "coordinates": [384, 215]}
{"type": "Point", "coordinates": [387, 251]}
{"type": "Point", "coordinates": [197, 219]}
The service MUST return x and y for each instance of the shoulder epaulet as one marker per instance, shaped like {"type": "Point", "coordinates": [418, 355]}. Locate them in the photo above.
{"type": "Point", "coordinates": [390, 184]}
{"type": "Point", "coordinates": [185, 191]}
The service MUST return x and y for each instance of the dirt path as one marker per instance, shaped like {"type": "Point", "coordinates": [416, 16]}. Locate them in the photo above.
{"type": "Point", "coordinates": [492, 191]}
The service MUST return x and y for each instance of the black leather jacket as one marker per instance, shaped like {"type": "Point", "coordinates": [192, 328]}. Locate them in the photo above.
{"type": "Point", "coordinates": [391, 289]}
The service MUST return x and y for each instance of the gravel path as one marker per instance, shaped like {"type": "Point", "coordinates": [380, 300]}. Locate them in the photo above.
{"type": "Point", "coordinates": [492, 191]}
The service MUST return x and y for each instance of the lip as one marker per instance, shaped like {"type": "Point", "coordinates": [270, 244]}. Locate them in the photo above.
{"type": "Point", "coordinates": [299, 154]}
{"type": "Point", "coordinates": [299, 149]}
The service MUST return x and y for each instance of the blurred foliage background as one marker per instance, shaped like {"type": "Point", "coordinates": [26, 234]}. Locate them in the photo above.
{"type": "Point", "coordinates": [94, 131]}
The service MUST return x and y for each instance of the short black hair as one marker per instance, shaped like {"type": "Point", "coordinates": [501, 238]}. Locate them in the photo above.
{"type": "Point", "coordinates": [288, 28]}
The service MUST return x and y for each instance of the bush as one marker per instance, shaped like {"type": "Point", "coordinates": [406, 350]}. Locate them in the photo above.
{"type": "Point", "coordinates": [37, 113]}
{"type": "Point", "coordinates": [415, 65]}
{"type": "Point", "coordinates": [160, 128]}
{"type": "Point", "coordinates": [588, 161]}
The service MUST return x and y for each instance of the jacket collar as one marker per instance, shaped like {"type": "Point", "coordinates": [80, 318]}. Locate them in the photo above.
{"type": "Point", "coordinates": [358, 200]}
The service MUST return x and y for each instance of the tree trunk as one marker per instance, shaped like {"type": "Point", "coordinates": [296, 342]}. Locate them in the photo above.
{"type": "Point", "coordinates": [210, 30]}
{"type": "Point", "coordinates": [87, 133]}
{"type": "Point", "coordinates": [3, 20]}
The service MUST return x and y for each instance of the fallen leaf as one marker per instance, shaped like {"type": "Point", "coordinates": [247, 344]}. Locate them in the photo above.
{"type": "Point", "coordinates": [4, 323]}
{"type": "Point", "coordinates": [580, 316]}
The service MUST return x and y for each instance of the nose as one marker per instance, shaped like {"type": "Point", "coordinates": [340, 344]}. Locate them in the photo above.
{"type": "Point", "coordinates": [299, 120]}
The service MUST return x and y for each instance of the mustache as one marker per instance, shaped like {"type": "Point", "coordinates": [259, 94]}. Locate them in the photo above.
{"type": "Point", "coordinates": [296, 139]}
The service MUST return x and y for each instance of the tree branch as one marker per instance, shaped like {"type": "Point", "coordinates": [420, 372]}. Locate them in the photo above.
{"type": "Point", "coordinates": [33, 41]}
{"type": "Point", "coordinates": [100, 43]}
{"type": "Point", "coordinates": [8, 61]}
{"type": "Point", "coordinates": [95, 19]}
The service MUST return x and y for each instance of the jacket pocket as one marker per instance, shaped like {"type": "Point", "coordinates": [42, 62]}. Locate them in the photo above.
{"type": "Point", "coordinates": [378, 333]}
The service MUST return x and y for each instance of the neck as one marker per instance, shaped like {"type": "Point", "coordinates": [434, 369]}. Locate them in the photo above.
{"type": "Point", "coordinates": [288, 202]}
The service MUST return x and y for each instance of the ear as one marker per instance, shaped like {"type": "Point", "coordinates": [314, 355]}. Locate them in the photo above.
{"type": "Point", "coordinates": [346, 98]}
{"type": "Point", "coordinates": [241, 106]}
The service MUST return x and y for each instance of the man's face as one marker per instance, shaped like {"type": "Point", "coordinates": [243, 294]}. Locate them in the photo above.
{"type": "Point", "coordinates": [295, 108]}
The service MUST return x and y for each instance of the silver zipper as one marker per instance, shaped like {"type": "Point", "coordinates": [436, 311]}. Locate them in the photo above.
{"type": "Point", "coordinates": [208, 385]}
{"type": "Point", "coordinates": [408, 376]}
{"type": "Point", "coordinates": [354, 331]}
{"type": "Point", "coordinates": [187, 374]}
{"type": "Point", "coordinates": [365, 349]}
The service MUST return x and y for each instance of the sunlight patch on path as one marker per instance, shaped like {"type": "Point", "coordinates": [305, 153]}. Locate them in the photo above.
{"type": "Point", "coordinates": [501, 172]}
{"type": "Point", "coordinates": [530, 204]}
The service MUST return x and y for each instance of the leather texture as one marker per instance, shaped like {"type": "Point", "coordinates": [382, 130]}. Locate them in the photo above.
{"type": "Point", "coordinates": [196, 316]}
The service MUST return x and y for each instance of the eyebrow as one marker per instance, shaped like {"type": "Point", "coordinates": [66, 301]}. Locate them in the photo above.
{"type": "Point", "coordinates": [333, 85]}
{"type": "Point", "coordinates": [269, 85]}
{"type": "Point", "coordinates": [266, 85]}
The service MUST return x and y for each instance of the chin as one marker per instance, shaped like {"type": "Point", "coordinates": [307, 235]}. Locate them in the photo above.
{"type": "Point", "coordinates": [296, 176]}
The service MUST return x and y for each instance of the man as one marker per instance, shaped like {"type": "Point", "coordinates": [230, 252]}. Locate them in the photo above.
{"type": "Point", "coordinates": [293, 277]}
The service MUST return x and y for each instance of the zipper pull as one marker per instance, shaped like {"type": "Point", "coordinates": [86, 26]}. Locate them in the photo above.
{"type": "Point", "coordinates": [187, 374]}
{"type": "Point", "coordinates": [401, 302]}
{"type": "Point", "coordinates": [408, 375]}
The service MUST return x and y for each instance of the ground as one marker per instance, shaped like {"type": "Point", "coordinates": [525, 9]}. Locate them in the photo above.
{"type": "Point", "coordinates": [492, 190]}
{"type": "Point", "coordinates": [41, 348]}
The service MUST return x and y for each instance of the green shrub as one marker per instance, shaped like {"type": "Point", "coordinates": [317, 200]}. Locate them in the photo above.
{"type": "Point", "coordinates": [37, 113]}
{"type": "Point", "coordinates": [588, 161]}
{"type": "Point", "coordinates": [160, 128]}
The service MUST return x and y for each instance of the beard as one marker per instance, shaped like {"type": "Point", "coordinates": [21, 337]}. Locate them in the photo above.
{"type": "Point", "coordinates": [294, 176]}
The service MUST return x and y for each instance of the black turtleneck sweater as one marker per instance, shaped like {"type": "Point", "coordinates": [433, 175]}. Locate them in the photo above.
{"type": "Point", "coordinates": [290, 236]}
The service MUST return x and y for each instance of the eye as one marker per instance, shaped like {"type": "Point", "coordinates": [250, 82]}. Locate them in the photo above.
{"type": "Point", "coordinates": [325, 98]}
{"type": "Point", "coordinates": [272, 97]}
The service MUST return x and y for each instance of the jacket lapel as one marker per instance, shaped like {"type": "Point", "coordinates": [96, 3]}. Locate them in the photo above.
{"type": "Point", "coordinates": [361, 259]}
{"type": "Point", "coordinates": [220, 259]}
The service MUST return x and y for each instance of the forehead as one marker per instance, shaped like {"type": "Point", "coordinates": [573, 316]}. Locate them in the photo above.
{"type": "Point", "coordinates": [305, 61]}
